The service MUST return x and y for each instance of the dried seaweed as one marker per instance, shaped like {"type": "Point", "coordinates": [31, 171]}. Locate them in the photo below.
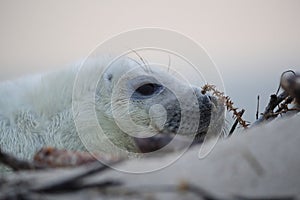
{"type": "Point", "coordinates": [290, 84]}
{"type": "Point", "coordinates": [229, 105]}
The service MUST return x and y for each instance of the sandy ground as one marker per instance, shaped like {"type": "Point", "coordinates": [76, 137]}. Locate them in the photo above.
{"type": "Point", "coordinates": [262, 162]}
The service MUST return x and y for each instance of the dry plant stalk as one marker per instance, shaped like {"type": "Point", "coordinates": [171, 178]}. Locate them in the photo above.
{"type": "Point", "coordinates": [228, 103]}
{"type": "Point", "coordinates": [290, 83]}
{"type": "Point", "coordinates": [50, 157]}
{"type": "Point", "coordinates": [283, 108]}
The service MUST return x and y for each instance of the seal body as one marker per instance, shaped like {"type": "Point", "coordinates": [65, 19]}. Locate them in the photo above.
{"type": "Point", "coordinates": [43, 110]}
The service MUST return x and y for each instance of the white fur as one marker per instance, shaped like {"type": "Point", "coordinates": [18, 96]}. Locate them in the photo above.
{"type": "Point", "coordinates": [36, 111]}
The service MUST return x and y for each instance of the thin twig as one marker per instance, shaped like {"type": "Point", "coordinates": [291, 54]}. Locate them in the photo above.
{"type": "Point", "coordinates": [73, 182]}
{"type": "Point", "coordinates": [17, 164]}
{"type": "Point", "coordinates": [282, 80]}
{"type": "Point", "coordinates": [273, 103]}
{"type": "Point", "coordinates": [275, 114]}
{"type": "Point", "coordinates": [236, 123]}
{"type": "Point", "coordinates": [184, 186]}
{"type": "Point", "coordinates": [257, 108]}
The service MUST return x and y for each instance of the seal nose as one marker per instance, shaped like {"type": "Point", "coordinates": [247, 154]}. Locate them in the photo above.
{"type": "Point", "coordinates": [197, 117]}
{"type": "Point", "coordinates": [202, 97]}
{"type": "Point", "coordinates": [206, 98]}
{"type": "Point", "coordinates": [205, 106]}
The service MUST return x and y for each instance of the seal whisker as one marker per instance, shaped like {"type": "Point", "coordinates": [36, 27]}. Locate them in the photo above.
{"type": "Point", "coordinates": [169, 62]}
{"type": "Point", "coordinates": [144, 61]}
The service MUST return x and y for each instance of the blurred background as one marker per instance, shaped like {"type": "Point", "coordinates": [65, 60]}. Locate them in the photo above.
{"type": "Point", "coordinates": [251, 41]}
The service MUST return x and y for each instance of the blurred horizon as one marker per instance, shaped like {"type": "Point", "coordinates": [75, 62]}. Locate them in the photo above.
{"type": "Point", "coordinates": [252, 42]}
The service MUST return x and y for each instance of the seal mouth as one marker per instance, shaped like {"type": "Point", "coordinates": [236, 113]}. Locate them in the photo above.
{"type": "Point", "coordinates": [199, 137]}
{"type": "Point", "coordinates": [167, 143]}
{"type": "Point", "coordinates": [159, 141]}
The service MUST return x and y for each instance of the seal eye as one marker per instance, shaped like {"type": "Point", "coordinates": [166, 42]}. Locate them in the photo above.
{"type": "Point", "coordinates": [148, 89]}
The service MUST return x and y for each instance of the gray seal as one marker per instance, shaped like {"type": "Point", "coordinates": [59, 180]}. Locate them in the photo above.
{"type": "Point", "coordinates": [37, 111]}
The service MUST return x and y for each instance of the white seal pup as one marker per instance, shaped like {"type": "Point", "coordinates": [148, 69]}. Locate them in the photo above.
{"type": "Point", "coordinates": [38, 111]}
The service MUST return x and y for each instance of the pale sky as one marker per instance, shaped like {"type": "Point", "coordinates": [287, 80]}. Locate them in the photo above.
{"type": "Point", "coordinates": [251, 41]}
